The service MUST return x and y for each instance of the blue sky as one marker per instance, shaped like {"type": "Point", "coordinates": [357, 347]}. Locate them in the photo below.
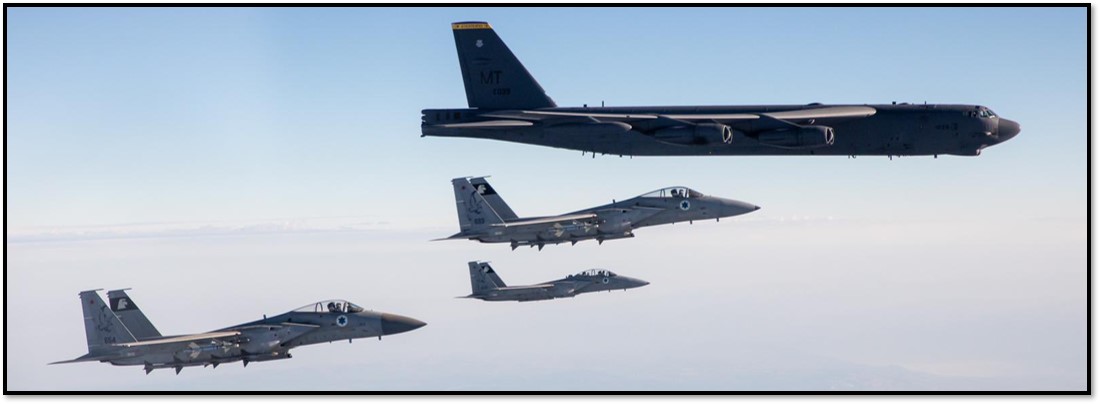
{"type": "Point", "coordinates": [139, 115]}
{"type": "Point", "coordinates": [180, 118]}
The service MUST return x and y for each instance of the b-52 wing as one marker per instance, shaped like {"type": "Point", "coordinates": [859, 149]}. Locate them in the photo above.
{"type": "Point", "coordinates": [540, 115]}
{"type": "Point", "coordinates": [857, 111]}
{"type": "Point", "coordinates": [489, 124]}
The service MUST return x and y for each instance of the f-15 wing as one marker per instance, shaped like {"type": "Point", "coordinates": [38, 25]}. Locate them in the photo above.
{"type": "Point", "coordinates": [526, 287]}
{"type": "Point", "coordinates": [566, 219]}
{"type": "Point", "coordinates": [300, 325]}
{"type": "Point", "coordinates": [183, 338]}
{"type": "Point", "coordinates": [566, 287]}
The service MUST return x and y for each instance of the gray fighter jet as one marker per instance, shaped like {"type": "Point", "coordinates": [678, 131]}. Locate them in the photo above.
{"type": "Point", "coordinates": [483, 216]}
{"type": "Point", "coordinates": [488, 286]}
{"type": "Point", "coordinates": [506, 103]}
{"type": "Point", "coordinates": [121, 334]}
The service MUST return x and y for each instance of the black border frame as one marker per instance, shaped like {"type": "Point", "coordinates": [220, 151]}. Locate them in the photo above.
{"type": "Point", "coordinates": [1088, 311]}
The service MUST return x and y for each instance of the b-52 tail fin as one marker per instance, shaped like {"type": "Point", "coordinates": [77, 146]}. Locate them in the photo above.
{"type": "Point", "coordinates": [102, 327]}
{"type": "Point", "coordinates": [131, 316]}
{"type": "Point", "coordinates": [494, 77]}
{"type": "Point", "coordinates": [483, 278]}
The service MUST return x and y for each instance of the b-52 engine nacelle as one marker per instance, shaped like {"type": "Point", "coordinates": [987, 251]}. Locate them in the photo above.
{"type": "Point", "coordinates": [804, 137]}
{"type": "Point", "coordinates": [700, 134]}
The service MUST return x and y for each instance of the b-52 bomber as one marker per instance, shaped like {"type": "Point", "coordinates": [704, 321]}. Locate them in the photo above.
{"type": "Point", "coordinates": [488, 286]}
{"type": "Point", "coordinates": [483, 216]}
{"type": "Point", "coordinates": [121, 334]}
{"type": "Point", "coordinates": [506, 103]}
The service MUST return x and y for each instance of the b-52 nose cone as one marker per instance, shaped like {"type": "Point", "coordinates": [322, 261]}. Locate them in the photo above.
{"type": "Point", "coordinates": [1007, 129]}
{"type": "Point", "coordinates": [395, 324]}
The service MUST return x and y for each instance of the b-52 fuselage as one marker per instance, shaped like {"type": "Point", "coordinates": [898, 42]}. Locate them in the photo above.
{"type": "Point", "coordinates": [121, 335]}
{"type": "Point", "coordinates": [483, 216]}
{"type": "Point", "coordinates": [487, 285]}
{"type": "Point", "coordinates": [506, 103]}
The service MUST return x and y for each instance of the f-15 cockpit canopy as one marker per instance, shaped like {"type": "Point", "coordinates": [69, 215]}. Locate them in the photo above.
{"type": "Point", "coordinates": [595, 272]}
{"type": "Point", "coordinates": [673, 192]}
{"type": "Point", "coordinates": [330, 306]}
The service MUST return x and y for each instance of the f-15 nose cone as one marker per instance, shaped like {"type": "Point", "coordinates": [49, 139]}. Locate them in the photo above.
{"type": "Point", "coordinates": [1007, 129]}
{"type": "Point", "coordinates": [631, 283]}
{"type": "Point", "coordinates": [395, 324]}
{"type": "Point", "coordinates": [731, 207]}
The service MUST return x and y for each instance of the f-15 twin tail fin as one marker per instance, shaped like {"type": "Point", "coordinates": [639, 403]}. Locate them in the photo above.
{"type": "Point", "coordinates": [102, 327]}
{"type": "Point", "coordinates": [479, 207]}
{"type": "Point", "coordinates": [131, 316]}
{"type": "Point", "coordinates": [483, 278]}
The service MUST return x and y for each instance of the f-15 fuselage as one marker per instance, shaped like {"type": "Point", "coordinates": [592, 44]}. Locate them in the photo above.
{"type": "Point", "coordinates": [487, 285]}
{"type": "Point", "coordinates": [111, 340]}
{"type": "Point", "coordinates": [483, 216]}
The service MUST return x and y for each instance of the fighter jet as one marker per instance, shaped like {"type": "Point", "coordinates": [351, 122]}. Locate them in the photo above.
{"type": "Point", "coordinates": [506, 103]}
{"type": "Point", "coordinates": [488, 286]}
{"type": "Point", "coordinates": [122, 336]}
{"type": "Point", "coordinates": [483, 216]}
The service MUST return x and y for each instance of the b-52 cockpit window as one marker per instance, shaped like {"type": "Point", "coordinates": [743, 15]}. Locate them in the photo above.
{"type": "Point", "coordinates": [331, 306]}
{"type": "Point", "coordinates": [983, 113]}
{"type": "Point", "coordinates": [673, 192]}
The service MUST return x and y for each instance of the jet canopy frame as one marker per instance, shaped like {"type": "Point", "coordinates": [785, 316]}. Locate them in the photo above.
{"type": "Point", "coordinates": [330, 306]}
{"type": "Point", "coordinates": [981, 112]}
{"type": "Point", "coordinates": [595, 272]}
{"type": "Point", "coordinates": [673, 192]}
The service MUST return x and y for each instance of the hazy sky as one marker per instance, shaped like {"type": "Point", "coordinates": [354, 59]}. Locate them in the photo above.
{"type": "Point", "coordinates": [228, 163]}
